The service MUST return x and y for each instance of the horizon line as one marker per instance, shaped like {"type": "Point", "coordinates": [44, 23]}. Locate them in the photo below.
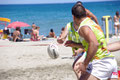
{"type": "Point", "coordinates": [54, 3]}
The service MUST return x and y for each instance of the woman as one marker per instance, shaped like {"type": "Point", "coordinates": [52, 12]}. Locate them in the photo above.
{"type": "Point", "coordinates": [35, 35]}
{"type": "Point", "coordinates": [116, 23]}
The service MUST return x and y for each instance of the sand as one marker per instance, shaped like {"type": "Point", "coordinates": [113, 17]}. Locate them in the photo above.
{"type": "Point", "coordinates": [30, 61]}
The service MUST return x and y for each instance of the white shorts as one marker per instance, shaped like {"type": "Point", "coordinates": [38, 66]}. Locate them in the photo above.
{"type": "Point", "coordinates": [104, 68]}
{"type": "Point", "coordinates": [79, 58]}
{"type": "Point", "coordinates": [116, 23]}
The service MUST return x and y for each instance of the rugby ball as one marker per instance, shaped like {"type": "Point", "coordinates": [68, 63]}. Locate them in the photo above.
{"type": "Point", "coordinates": [53, 51]}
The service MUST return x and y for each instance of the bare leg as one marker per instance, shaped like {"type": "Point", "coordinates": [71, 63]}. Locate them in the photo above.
{"type": "Point", "coordinates": [118, 29]}
{"type": "Point", "coordinates": [85, 76]}
{"type": "Point", "coordinates": [77, 74]}
{"type": "Point", "coordinates": [115, 30]}
{"type": "Point", "coordinates": [88, 76]}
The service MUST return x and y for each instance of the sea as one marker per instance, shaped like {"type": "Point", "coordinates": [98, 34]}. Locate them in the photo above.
{"type": "Point", "coordinates": [57, 15]}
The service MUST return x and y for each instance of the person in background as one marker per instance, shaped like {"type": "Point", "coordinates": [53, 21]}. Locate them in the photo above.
{"type": "Point", "coordinates": [52, 34]}
{"type": "Point", "coordinates": [36, 36]}
{"type": "Point", "coordinates": [33, 26]}
{"type": "Point", "coordinates": [62, 30]}
{"type": "Point", "coordinates": [37, 33]}
{"type": "Point", "coordinates": [89, 13]}
{"type": "Point", "coordinates": [17, 35]}
{"type": "Point", "coordinates": [33, 36]}
{"type": "Point", "coordinates": [1, 33]}
{"type": "Point", "coordinates": [6, 33]}
{"type": "Point", "coordinates": [117, 23]}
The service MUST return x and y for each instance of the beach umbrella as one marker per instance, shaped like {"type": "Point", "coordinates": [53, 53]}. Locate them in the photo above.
{"type": "Point", "coordinates": [17, 24]}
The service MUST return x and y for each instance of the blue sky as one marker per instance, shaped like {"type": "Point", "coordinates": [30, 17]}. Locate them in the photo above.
{"type": "Point", "coordinates": [43, 1]}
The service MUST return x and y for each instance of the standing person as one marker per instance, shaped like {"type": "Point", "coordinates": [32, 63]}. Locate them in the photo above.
{"type": "Point", "coordinates": [117, 23]}
{"type": "Point", "coordinates": [93, 41]}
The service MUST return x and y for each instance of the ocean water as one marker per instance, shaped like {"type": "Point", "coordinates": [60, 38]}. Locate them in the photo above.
{"type": "Point", "coordinates": [55, 16]}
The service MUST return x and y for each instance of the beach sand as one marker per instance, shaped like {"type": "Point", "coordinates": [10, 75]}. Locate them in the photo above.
{"type": "Point", "coordinates": [30, 61]}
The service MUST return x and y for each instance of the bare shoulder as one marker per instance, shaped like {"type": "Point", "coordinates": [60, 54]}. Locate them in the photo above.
{"type": "Point", "coordinates": [84, 30]}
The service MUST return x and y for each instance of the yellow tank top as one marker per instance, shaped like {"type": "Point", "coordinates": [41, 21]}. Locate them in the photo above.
{"type": "Point", "coordinates": [73, 35]}
{"type": "Point", "coordinates": [102, 50]}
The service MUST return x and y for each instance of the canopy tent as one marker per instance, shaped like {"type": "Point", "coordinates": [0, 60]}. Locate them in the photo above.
{"type": "Point", "coordinates": [4, 21]}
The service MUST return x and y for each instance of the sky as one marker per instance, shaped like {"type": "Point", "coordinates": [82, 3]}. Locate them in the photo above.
{"type": "Point", "coordinates": [44, 1]}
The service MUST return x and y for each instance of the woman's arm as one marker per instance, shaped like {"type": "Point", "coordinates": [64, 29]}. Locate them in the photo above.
{"type": "Point", "coordinates": [91, 15]}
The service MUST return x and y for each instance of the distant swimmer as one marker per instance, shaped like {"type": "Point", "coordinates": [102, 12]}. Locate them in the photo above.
{"type": "Point", "coordinates": [117, 23]}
